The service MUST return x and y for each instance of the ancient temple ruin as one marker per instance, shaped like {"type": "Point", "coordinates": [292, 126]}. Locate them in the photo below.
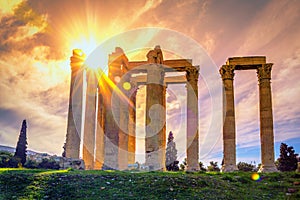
{"type": "Point", "coordinates": [109, 141]}
{"type": "Point", "coordinates": [263, 70]}
{"type": "Point", "coordinates": [109, 123]}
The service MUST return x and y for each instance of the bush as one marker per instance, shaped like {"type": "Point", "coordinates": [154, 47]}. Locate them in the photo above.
{"type": "Point", "coordinates": [213, 167]}
{"type": "Point", "coordinates": [31, 164]}
{"type": "Point", "coordinates": [4, 158]}
{"type": "Point", "coordinates": [48, 164]}
{"type": "Point", "coordinates": [245, 167]}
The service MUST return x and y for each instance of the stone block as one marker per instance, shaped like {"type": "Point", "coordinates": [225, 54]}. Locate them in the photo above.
{"type": "Point", "coordinates": [251, 60]}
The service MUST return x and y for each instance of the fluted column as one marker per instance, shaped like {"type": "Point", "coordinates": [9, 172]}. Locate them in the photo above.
{"type": "Point", "coordinates": [229, 143]}
{"type": "Point", "coordinates": [132, 125]}
{"type": "Point", "coordinates": [88, 149]}
{"type": "Point", "coordinates": [192, 74]}
{"type": "Point", "coordinates": [123, 129]}
{"type": "Point", "coordinates": [155, 115]}
{"type": "Point", "coordinates": [99, 157]}
{"type": "Point", "coordinates": [75, 105]}
{"type": "Point", "coordinates": [163, 133]}
{"type": "Point", "coordinates": [266, 118]}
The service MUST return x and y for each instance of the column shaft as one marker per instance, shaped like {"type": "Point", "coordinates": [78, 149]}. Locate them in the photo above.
{"type": "Point", "coordinates": [123, 135]}
{"type": "Point", "coordinates": [229, 144]}
{"type": "Point", "coordinates": [111, 130]}
{"type": "Point", "coordinates": [266, 118]}
{"type": "Point", "coordinates": [75, 106]}
{"type": "Point", "coordinates": [99, 157]}
{"type": "Point", "coordinates": [90, 121]}
{"type": "Point", "coordinates": [155, 117]}
{"type": "Point", "coordinates": [192, 120]}
{"type": "Point", "coordinates": [131, 127]}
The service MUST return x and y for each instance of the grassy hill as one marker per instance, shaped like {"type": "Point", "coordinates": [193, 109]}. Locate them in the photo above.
{"type": "Point", "coordinates": [65, 184]}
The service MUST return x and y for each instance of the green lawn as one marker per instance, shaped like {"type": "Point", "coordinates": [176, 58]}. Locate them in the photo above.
{"type": "Point", "coordinates": [64, 184]}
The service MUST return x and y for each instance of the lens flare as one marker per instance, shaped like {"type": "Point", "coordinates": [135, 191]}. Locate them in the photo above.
{"type": "Point", "coordinates": [126, 86]}
{"type": "Point", "coordinates": [255, 177]}
{"type": "Point", "coordinates": [117, 79]}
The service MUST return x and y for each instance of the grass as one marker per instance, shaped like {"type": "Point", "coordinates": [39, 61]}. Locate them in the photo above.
{"type": "Point", "coordinates": [73, 184]}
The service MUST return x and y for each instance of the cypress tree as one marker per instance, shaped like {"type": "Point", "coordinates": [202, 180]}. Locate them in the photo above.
{"type": "Point", "coordinates": [22, 144]}
{"type": "Point", "coordinates": [171, 154]}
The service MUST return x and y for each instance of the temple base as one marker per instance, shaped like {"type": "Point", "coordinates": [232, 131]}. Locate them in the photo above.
{"type": "Point", "coordinates": [271, 168]}
{"type": "Point", "coordinates": [229, 168]}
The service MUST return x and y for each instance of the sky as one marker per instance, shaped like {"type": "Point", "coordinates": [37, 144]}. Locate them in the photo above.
{"type": "Point", "coordinates": [37, 38]}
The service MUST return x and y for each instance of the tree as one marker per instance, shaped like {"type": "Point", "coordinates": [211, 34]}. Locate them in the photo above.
{"type": "Point", "coordinates": [245, 167]}
{"type": "Point", "coordinates": [22, 144]}
{"type": "Point", "coordinates": [213, 167]}
{"type": "Point", "coordinates": [171, 154]}
{"type": "Point", "coordinates": [287, 160]}
{"type": "Point", "coordinates": [201, 166]}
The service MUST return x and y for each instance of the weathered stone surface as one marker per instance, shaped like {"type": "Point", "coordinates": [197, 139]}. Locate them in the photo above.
{"type": "Point", "coordinates": [88, 150]}
{"type": "Point", "coordinates": [265, 102]}
{"type": "Point", "coordinates": [65, 163]}
{"type": "Point", "coordinates": [75, 105]}
{"type": "Point", "coordinates": [192, 74]}
{"type": "Point", "coordinates": [99, 157]}
{"type": "Point", "coordinates": [229, 149]}
{"type": "Point", "coordinates": [132, 124]}
{"type": "Point", "coordinates": [249, 60]}
{"type": "Point", "coordinates": [266, 119]}
{"type": "Point", "coordinates": [155, 115]}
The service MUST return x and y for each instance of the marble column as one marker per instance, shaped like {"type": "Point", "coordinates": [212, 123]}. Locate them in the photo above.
{"type": "Point", "coordinates": [192, 74]}
{"type": "Point", "coordinates": [99, 153]}
{"type": "Point", "coordinates": [132, 125]}
{"type": "Point", "coordinates": [163, 136]}
{"type": "Point", "coordinates": [155, 115]}
{"type": "Point", "coordinates": [75, 105]}
{"type": "Point", "coordinates": [123, 130]}
{"type": "Point", "coordinates": [88, 149]}
{"type": "Point", "coordinates": [229, 143]}
{"type": "Point", "coordinates": [111, 131]}
{"type": "Point", "coordinates": [266, 118]}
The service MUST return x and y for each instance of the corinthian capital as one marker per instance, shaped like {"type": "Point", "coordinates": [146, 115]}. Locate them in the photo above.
{"type": "Point", "coordinates": [264, 71]}
{"type": "Point", "coordinates": [77, 59]}
{"type": "Point", "coordinates": [227, 71]}
{"type": "Point", "coordinates": [192, 74]}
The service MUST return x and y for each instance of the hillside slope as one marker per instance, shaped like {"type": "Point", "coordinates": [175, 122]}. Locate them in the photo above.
{"type": "Point", "coordinates": [64, 184]}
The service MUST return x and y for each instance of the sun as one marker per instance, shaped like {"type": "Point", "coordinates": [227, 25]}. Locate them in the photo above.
{"type": "Point", "coordinates": [86, 44]}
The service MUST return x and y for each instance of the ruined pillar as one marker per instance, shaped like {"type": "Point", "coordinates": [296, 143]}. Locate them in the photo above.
{"type": "Point", "coordinates": [229, 146]}
{"type": "Point", "coordinates": [90, 120]}
{"type": "Point", "coordinates": [266, 118]}
{"type": "Point", "coordinates": [132, 124]}
{"type": "Point", "coordinates": [99, 152]}
{"type": "Point", "coordinates": [75, 105]}
{"type": "Point", "coordinates": [111, 131]}
{"type": "Point", "coordinates": [123, 129]}
{"type": "Point", "coordinates": [192, 119]}
{"type": "Point", "coordinates": [155, 117]}
{"type": "Point", "coordinates": [163, 133]}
